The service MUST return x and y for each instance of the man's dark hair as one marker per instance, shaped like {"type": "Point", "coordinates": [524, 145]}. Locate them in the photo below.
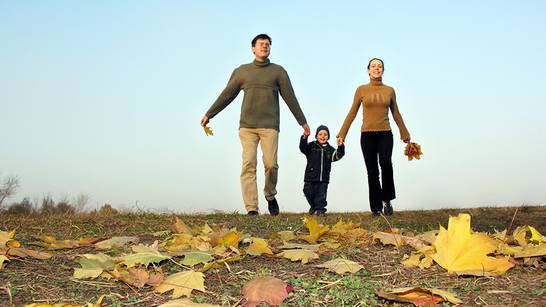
{"type": "Point", "coordinates": [380, 60]}
{"type": "Point", "coordinates": [261, 36]}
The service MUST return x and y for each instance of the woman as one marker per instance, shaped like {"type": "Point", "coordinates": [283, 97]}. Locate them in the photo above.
{"type": "Point", "coordinates": [376, 135]}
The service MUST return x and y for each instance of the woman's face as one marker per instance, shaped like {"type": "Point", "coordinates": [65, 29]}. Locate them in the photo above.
{"type": "Point", "coordinates": [376, 69]}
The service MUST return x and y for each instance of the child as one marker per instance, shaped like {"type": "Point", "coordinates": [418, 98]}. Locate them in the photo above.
{"type": "Point", "coordinates": [320, 156]}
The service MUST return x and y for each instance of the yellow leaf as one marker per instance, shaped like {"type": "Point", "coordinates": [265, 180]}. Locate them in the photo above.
{"type": "Point", "coordinates": [2, 259]}
{"type": "Point", "coordinates": [182, 283]}
{"type": "Point", "coordinates": [230, 239]}
{"type": "Point", "coordinates": [302, 255]}
{"type": "Point", "coordinates": [286, 235]}
{"type": "Point", "coordinates": [420, 296]}
{"type": "Point", "coordinates": [6, 237]}
{"type": "Point", "coordinates": [413, 260]}
{"type": "Point", "coordinates": [258, 247]}
{"type": "Point", "coordinates": [341, 266]}
{"type": "Point", "coordinates": [23, 253]}
{"type": "Point", "coordinates": [389, 238]}
{"type": "Point", "coordinates": [208, 130]}
{"type": "Point", "coordinates": [315, 229]}
{"type": "Point", "coordinates": [520, 236]}
{"type": "Point", "coordinates": [465, 253]}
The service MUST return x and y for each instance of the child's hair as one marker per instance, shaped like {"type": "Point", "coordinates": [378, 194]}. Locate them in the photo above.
{"type": "Point", "coordinates": [261, 36]}
{"type": "Point", "coordinates": [322, 127]}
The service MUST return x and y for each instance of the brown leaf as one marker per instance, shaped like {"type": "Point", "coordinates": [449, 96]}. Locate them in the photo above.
{"type": "Point", "coordinates": [180, 227]}
{"type": "Point", "coordinates": [419, 296]}
{"type": "Point", "coordinates": [267, 289]}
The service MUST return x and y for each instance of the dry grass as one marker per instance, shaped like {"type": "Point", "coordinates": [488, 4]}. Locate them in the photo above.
{"type": "Point", "coordinates": [27, 280]}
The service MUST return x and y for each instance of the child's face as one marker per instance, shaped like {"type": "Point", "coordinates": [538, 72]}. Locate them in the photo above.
{"type": "Point", "coordinates": [322, 137]}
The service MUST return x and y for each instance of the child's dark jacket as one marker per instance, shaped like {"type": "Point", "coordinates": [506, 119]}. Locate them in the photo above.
{"type": "Point", "coordinates": [319, 160]}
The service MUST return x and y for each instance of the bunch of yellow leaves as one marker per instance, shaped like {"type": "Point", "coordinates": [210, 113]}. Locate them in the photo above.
{"type": "Point", "coordinates": [413, 150]}
{"type": "Point", "coordinates": [208, 130]}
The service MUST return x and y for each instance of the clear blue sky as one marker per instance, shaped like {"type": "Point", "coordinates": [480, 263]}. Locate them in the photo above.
{"type": "Point", "coordinates": [105, 98]}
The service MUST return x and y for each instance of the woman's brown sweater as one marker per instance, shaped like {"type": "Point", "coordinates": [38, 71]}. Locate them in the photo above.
{"type": "Point", "coordinates": [376, 99]}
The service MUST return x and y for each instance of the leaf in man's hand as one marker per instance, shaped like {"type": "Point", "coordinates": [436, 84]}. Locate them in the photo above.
{"type": "Point", "coordinates": [182, 283]}
{"type": "Point", "coordinates": [341, 266]}
{"type": "Point", "coordinates": [267, 289]}
{"type": "Point", "coordinates": [208, 130]}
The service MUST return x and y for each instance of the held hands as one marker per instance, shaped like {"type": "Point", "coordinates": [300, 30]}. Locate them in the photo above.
{"type": "Point", "coordinates": [306, 130]}
{"type": "Point", "coordinates": [339, 141]}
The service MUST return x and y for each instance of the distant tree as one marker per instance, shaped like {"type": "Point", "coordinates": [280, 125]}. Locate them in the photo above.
{"type": "Point", "coordinates": [80, 202]}
{"type": "Point", "coordinates": [8, 188]}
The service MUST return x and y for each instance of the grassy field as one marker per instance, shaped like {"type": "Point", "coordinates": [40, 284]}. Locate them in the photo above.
{"type": "Point", "coordinates": [28, 280]}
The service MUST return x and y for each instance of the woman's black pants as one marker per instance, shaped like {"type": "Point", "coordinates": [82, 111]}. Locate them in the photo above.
{"type": "Point", "coordinates": [377, 145]}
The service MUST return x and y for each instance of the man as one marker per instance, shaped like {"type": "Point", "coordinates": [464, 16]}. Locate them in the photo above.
{"type": "Point", "coordinates": [262, 81]}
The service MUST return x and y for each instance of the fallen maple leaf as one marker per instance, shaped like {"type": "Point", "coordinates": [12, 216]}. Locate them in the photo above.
{"type": "Point", "coordinates": [258, 247]}
{"type": "Point", "coordinates": [315, 229]}
{"type": "Point", "coordinates": [465, 253]}
{"type": "Point", "coordinates": [420, 296]}
{"type": "Point", "coordinates": [341, 266]}
{"type": "Point", "coordinates": [286, 235]}
{"type": "Point", "coordinates": [267, 289]}
{"type": "Point", "coordinates": [520, 236]}
{"type": "Point", "coordinates": [182, 283]}
{"type": "Point", "coordinates": [302, 255]}
{"type": "Point", "coordinates": [230, 239]}
{"type": "Point", "coordinates": [387, 238]}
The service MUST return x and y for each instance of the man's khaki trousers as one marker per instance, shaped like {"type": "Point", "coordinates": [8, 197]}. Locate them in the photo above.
{"type": "Point", "coordinates": [269, 141]}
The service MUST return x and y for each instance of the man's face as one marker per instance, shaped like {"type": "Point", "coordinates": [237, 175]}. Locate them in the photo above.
{"type": "Point", "coordinates": [322, 137]}
{"type": "Point", "coordinates": [261, 49]}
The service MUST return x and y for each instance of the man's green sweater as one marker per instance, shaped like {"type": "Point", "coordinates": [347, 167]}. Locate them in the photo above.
{"type": "Point", "coordinates": [262, 82]}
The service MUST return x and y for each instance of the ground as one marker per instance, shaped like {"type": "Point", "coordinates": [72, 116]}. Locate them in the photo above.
{"type": "Point", "coordinates": [28, 280]}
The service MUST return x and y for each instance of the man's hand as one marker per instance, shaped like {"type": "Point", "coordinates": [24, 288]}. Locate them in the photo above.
{"type": "Point", "coordinates": [204, 121]}
{"type": "Point", "coordinates": [306, 130]}
{"type": "Point", "coordinates": [339, 141]}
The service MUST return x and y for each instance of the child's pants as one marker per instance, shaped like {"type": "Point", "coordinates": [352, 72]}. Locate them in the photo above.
{"type": "Point", "coordinates": [315, 192]}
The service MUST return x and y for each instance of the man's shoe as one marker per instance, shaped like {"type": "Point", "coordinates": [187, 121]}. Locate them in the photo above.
{"type": "Point", "coordinates": [311, 211]}
{"type": "Point", "coordinates": [252, 213]}
{"type": "Point", "coordinates": [387, 208]}
{"type": "Point", "coordinates": [273, 207]}
{"type": "Point", "coordinates": [376, 213]}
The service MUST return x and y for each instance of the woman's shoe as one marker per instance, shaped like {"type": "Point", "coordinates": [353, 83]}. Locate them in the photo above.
{"type": "Point", "coordinates": [387, 208]}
